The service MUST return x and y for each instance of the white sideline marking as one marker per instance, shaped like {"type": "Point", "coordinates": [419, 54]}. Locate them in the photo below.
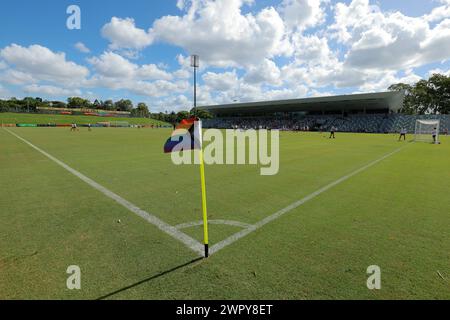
{"type": "Point", "coordinates": [219, 246]}
{"type": "Point", "coordinates": [218, 222]}
{"type": "Point", "coordinates": [191, 243]}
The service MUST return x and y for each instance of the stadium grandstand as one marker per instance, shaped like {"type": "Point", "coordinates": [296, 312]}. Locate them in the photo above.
{"type": "Point", "coordinates": [365, 113]}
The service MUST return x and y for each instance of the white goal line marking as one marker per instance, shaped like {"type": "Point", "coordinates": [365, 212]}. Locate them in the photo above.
{"type": "Point", "coordinates": [219, 246]}
{"type": "Point", "coordinates": [191, 243]}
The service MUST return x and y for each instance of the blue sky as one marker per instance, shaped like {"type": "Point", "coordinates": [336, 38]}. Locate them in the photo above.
{"type": "Point", "coordinates": [250, 50]}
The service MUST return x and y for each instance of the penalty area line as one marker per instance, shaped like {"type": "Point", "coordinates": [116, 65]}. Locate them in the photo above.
{"type": "Point", "coordinates": [237, 236]}
{"type": "Point", "coordinates": [191, 243]}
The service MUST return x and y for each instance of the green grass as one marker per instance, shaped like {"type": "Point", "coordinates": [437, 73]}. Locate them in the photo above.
{"type": "Point", "coordinates": [395, 215]}
{"type": "Point", "coordinates": [15, 118]}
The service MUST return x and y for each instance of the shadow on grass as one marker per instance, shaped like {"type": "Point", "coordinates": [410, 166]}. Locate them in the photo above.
{"type": "Point", "coordinates": [159, 275]}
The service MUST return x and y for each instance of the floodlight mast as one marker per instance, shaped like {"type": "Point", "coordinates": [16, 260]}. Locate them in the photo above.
{"type": "Point", "coordinates": [195, 63]}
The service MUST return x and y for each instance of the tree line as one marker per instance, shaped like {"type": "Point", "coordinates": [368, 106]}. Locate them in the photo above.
{"type": "Point", "coordinates": [173, 117]}
{"type": "Point", "coordinates": [141, 110]}
{"type": "Point", "coordinates": [32, 104]}
{"type": "Point", "coordinates": [430, 96]}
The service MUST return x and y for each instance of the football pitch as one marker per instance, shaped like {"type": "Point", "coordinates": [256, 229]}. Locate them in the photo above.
{"type": "Point", "coordinates": [335, 208]}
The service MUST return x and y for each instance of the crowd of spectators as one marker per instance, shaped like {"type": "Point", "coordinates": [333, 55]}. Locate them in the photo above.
{"type": "Point", "coordinates": [363, 123]}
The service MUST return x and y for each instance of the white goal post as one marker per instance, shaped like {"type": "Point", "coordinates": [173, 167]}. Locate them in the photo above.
{"type": "Point", "coordinates": [426, 130]}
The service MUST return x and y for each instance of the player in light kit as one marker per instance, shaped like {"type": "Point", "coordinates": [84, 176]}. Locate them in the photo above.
{"type": "Point", "coordinates": [434, 134]}
{"type": "Point", "coordinates": [333, 132]}
{"type": "Point", "coordinates": [403, 133]}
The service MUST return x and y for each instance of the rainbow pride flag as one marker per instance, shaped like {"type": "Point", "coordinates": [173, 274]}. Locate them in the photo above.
{"type": "Point", "coordinates": [186, 136]}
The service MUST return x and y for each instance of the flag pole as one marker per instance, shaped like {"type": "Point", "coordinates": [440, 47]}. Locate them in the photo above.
{"type": "Point", "coordinates": [204, 205]}
{"type": "Point", "coordinates": [195, 63]}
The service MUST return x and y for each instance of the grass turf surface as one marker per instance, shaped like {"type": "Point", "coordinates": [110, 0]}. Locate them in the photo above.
{"type": "Point", "coordinates": [395, 215]}
{"type": "Point", "coordinates": [14, 118]}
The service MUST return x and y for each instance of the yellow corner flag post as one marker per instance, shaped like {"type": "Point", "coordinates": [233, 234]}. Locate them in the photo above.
{"type": "Point", "coordinates": [203, 183]}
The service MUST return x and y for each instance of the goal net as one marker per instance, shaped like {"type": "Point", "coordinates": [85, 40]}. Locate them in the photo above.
{"type": "Point", "coordinates": [427, 131]}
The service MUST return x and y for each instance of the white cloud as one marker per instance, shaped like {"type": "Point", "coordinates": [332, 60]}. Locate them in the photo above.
{"type": "Point", "coordinates": [113, 65]}
{"type": "Point", "coordinates": [174, 103]}
{"type": "Point", "coordinates": [41, 63]}
{"type": "Point", "coordinates": [267, 72]}
{"type": "Point", "coordinates": [182, 74]}
{"type": "Point", "coordinates": [220, 81]}
{"type": "Point", "coordinates": [117, 73]}
{"type": "Point", "coordinates": [439, 13]}
{"type": "Point", "coordinates": [80, 46]}
{"type": "Point", "coordinates": [436, 47]}
{"type": "Point", "coordinates": [373, 39]}
{"type": "Point", "coordinates": [352, 17]}
{"type": "Point", "coordinates": [301, 14]}
{"type": "Point", "coordinates": [285, 93]}
{"type": "Point", "coordinates": [181, 4]}
{"type": "Point", "coordinates": [15, 77]}
{"type": "Point", "coordinates": [388, 40]}
{"type": "Point", "coordinates": [399, 48]}
{"type": "Point", "coordinates": [253, 92]}
{"type": "Point", "coordinates": [159, 88]}
{"type": "Point", "coordinates": [312, 49]}
{"type": "Point", "coordinates": [156, 89]}
{"type": "Point", "coordinates": [123, 34]}
{"type": "Point", "coordinates": [4, 93]}
{"type": "Point", "coordinates": [153, 72]}
{"type": "Point", "coordinates": [328, 73]}
{"type": "Point", "coordinates": [36, 67]}
{"type": "Point", "coordinates": [51, 91]}
{"type": "Point", "coordinates": [222, 35]}
{"type": "Point", "coordinates": [382, 81]}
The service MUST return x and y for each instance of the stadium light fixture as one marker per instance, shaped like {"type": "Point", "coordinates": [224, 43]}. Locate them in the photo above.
{"type": "Point", "coordinates": [195, 63]}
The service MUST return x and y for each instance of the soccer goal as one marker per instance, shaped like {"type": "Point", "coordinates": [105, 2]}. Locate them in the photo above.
{"type": "Point", "coordinates": [426, 130]}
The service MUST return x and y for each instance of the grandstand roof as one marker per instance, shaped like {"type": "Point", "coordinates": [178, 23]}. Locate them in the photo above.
{"type": "Point", "coordinates": [392, 101]}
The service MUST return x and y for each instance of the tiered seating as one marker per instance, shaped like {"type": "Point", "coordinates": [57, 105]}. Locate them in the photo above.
{"type": "Point", "coordinates": [375, 123]}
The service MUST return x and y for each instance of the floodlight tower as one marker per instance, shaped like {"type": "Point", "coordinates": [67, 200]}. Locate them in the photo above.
{"type": "Point", "coordinates": [195, 63]}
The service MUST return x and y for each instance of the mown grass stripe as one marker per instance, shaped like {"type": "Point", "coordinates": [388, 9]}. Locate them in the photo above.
{"type": "Point", "coordinates": [191, 243]}
{"type": "Point", "coordinates": [237, 236]}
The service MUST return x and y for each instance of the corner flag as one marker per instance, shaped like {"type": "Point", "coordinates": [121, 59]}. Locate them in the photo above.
{"type": "Point", "coordinates": [184, 137]}
{"type": "Point", "coordinates": [188, 136]}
